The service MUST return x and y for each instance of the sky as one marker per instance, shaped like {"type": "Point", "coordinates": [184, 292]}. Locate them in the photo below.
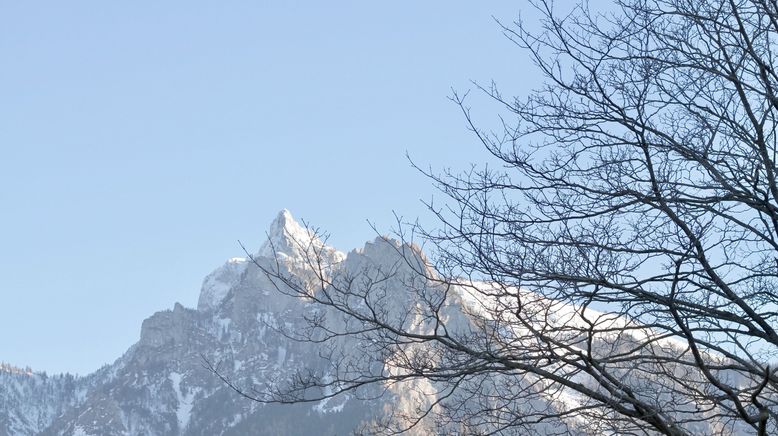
{"type": "Point", "coordinates": [139, 141]}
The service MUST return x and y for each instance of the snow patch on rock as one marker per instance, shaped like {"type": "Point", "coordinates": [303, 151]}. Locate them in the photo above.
{"type": "Point", "coordinates": [185, 401]}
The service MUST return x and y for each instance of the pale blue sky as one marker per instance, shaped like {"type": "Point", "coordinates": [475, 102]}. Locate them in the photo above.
{"type": "Point", "coordinates": [140, 140]}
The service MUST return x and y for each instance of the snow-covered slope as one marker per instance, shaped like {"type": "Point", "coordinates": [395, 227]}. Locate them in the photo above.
{"type": "Point", "coordinates": [161, 385]}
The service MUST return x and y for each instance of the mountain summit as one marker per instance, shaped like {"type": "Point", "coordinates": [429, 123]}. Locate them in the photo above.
{"type": "Point", "coordinates": [286, 236]}
{"type": "Point", "coordinates": [287, 240]}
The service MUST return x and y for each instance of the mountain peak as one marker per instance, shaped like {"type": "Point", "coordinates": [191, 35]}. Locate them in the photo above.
{"type": "Point", "coordinates": [288, 238]}
{"type": "Point", "coordinates": [284, 222]}
{"type": "Point", "coordinates": [283, 217]}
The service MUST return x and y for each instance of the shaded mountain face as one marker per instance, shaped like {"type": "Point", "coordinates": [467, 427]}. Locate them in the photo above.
{"type": "Point", "coordinates": [162, 386]}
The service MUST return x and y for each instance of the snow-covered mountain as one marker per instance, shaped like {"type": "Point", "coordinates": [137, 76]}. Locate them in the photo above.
{"type": "Point", "coordinates": [161, 385]}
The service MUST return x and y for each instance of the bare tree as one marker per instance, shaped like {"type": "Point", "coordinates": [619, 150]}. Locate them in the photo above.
{"type": "Point", "coordinates": [617, 272]}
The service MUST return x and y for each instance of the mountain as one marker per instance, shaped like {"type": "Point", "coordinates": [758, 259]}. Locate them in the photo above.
{"type": "Point", "coordinates": [162, 384]}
